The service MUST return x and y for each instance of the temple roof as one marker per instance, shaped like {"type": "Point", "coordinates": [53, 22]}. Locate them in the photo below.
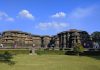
{"type": "Point", "coordinates": [71, 30]}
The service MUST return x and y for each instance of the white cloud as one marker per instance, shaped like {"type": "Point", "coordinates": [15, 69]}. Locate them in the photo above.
{"type": "Point", "coordinates": [26, 14]}
{"type": "Point", "coordinates": [81, 12]}
{"type": "Point", "coordinates": [51, 25]}
{"type": "Point", "coordinates": [5, 17]}
{"type": "Point", "coordinates": [59, 15]}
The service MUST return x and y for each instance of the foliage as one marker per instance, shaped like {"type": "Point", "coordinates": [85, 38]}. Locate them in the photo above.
{"type": "Point", "coordinates": [15, 51]}
{"type": "Point", "coordinates": [96, 36]}
{"type": "Point", "coordinates": [49, 52]}
{"type": "Point", "coordinates": [78, 49]}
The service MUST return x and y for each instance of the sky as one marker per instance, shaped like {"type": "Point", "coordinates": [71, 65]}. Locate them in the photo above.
{"type": "Point", "coordinates": [49, 17]}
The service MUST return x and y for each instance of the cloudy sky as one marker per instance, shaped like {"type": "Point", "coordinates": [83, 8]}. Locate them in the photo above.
{"type": "Point", "coordinates": [48, 17]}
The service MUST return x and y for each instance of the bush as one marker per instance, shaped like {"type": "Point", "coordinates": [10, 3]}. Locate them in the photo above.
{"type": "Point", "coordinates": [78, 49]}
{"type": "Point", "coordinates": [70, 53]}
{"type": "Point", "coordinates": [15, 51]}
{"type": "Point", "coordinates": [49, 52]}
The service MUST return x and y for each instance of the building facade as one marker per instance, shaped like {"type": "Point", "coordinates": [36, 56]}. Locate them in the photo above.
{"type": "Point", "coordinates": [68, 39]}
{"type": "Point", "coordinates": [45, 40]}
{"type": "Point", "coordinates": [63, 40]}
{"type": "Point", "coordinates": [19, 39]}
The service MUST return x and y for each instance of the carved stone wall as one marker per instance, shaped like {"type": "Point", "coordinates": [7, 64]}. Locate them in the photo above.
{"type": "Point", "coordinates": [45, 40]}
{"type": "Point", "coordinates": [68, 39]}
{"type": "Point", "coordinates": [19, 38]}
{"type": "Point", "coordinates": [65, 39]}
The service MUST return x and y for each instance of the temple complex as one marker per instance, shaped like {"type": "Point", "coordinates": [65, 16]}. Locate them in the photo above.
{"type": "Point", "coordinates": [18, 38]}
{"type": "Point", "coordinates": [63, 40]}
{"type": "Point", "coordinates": [45, 40]}
{"type": "Point", "coordinates": [68, 39]}
{"type": "Point", "coordinates": [36, 40]}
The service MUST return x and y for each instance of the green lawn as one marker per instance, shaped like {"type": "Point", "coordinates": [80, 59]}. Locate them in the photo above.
{"type": "Point", "coordinates": [52, 62]}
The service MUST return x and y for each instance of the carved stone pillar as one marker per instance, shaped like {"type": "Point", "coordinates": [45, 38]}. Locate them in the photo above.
{"type": "Point", "coordinates": [64, 40]}
{"type": "Point", "coordinates": [67, 37]}
{"type": "Point", "coordinates": [59, 35]}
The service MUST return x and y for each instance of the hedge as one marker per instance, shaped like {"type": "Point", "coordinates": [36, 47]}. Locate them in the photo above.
{"type": "Point", "coordinates": [49, 52]}
{"type": "Point", "coordinates": [15, 51]}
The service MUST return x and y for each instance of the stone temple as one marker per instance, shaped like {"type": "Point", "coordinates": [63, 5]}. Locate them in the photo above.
{"type": "Point", "coordinates": [68, 39]}
{"type": "Point", "coordinates": [23, 39]}
{"type": "Point", "coordinates": [63, 40]}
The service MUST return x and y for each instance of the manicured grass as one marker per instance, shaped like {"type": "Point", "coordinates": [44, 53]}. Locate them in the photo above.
{"type": "Point", "coordinates": [52, 62]}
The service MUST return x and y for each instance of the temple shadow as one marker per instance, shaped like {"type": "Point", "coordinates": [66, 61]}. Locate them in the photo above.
{"type": "Point", "coordinates": [91, 54]}
{"type": "Point", "coordinates": [7, 58]}
{"type": "Point", "coordinates": [95, 57]}
{"type": "Point", "coordinates": [10, 62]}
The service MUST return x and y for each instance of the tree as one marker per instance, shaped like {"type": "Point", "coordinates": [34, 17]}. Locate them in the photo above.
{"type": "Point", "coordinates": [78, 49]}
{"type": "Point", "coordinates": [96, 36]}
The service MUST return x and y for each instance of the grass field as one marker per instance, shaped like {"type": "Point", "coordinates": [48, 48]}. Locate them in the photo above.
{"type": "Point", "coordinates": [52, 62]}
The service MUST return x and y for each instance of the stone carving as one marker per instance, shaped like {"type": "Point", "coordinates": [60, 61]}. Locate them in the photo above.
{"type": "Point", "coordinates": [63, 40]}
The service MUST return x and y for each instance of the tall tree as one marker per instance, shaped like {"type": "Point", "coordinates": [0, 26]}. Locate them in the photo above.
{"type": "Point", "coordinates": [96, 36]}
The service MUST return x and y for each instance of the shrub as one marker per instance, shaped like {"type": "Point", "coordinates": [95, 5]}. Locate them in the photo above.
{"type": "Point", "coordinates": [78, 49]}
{"type": "Point", "coordinates": [49, 52]}
{"type": "Point", "coordinates": [15, 51]}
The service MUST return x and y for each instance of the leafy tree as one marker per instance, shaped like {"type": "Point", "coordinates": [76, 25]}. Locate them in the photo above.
{"type": "Point", "coordinates": [78, 49]}
{"type": "Point", "coordinates": [96, 36]}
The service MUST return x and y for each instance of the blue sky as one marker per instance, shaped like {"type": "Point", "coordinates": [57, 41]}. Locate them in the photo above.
{"type": "Point", "coordinates": [49, 17]}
